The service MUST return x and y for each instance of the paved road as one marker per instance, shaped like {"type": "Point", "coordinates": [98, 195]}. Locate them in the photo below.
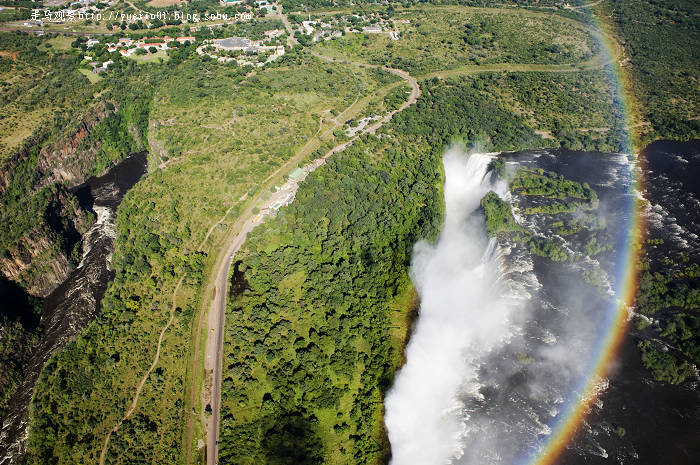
{"type": "Point", "coordinates": [217, 307]}
{"type": "Point", "coordinates": [215, 339]}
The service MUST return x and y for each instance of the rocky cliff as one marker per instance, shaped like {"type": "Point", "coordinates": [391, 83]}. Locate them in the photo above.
{"type": "Point", "coordinates": [40, 240]}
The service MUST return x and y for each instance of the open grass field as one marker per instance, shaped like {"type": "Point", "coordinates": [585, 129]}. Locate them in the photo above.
{"type": "Point", "coordinates": [439, 38]}
{"type": "Point", "coordinates": [59, 42]}
{"type": "Point", "coordinates": [150, 57]}
{"type": "Point", "coordinates": [92, 77]}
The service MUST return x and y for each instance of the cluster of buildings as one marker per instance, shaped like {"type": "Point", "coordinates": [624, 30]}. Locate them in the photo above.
{"type": "Point", "coordinates": [126, 47]}
{"type": "Point", "coordinates": [98, 67]}
{"type": "Point", "coordinates": [246, 46]}
{"type": "Point", "coordinates": [334, 27]}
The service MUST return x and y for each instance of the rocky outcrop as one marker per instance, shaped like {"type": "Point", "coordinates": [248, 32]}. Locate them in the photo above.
{"type": "Point", "coordinates": [41, 257]}
{"type": "Point", "coordinates": [63, 162]}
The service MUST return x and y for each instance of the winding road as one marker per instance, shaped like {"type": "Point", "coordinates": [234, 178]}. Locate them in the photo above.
{"type": "Point", "coordinates": [217, 307]}
{"type": "Point", "coordinates": [217, 287]}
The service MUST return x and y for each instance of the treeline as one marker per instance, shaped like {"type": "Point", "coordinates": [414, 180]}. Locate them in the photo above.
{"type": "Point", "coordinates": [663, 64]}
{"type": "Point", "coordinates": [673, 298]}
{"type": "Point", "coordinates": [308, 356]}
{"type": "Point", "coordinates": [459, 111]}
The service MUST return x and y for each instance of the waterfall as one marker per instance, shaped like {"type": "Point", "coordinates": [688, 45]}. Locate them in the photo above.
{"type": "Point", "coordinates": [464, 313]}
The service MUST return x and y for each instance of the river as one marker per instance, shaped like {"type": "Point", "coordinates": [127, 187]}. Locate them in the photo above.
{"type": "Point", "coordinates": [76, 302]}
{"type": "Point", "coordinates": [505, 339]}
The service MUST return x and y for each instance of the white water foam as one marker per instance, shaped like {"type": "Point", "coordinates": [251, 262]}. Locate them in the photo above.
{"type": "Point", "coordinates": [465, 312]}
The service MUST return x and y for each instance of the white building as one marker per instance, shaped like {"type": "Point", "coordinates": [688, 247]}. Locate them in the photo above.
{"type": "Point", "coordinates": [308, 27]}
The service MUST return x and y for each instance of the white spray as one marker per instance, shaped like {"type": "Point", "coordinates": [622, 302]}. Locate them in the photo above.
{"type": "Point", "coordinates": [464, 313]}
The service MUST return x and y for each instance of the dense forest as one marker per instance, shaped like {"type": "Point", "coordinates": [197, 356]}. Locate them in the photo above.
{"type": "Point", "coordinates": [320, 297]}
{"type": "Point", "coordinates": [663, 67]}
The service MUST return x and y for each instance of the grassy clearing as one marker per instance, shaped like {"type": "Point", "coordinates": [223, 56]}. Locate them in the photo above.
{"type": "Point", "coordinates": [150, 57]}
{"type": "Point", "coordinates": [92, 77]}
{"type": "Point", "coordinates": [444, 38]}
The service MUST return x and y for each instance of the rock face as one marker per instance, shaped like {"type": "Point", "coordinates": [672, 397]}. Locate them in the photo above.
{"type": "Point", "coordinates": [41, 259]}
{"type": "Point", "coordinates": [76, 301]}
{"type": "Point", "coordinates": [43, 256]}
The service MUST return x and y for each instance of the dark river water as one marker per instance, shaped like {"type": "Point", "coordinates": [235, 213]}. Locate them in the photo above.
{"type": "Point", "coordinates": [544, 323]}
{"type": "Point", "coordinates": [76, 302]}
{"type": "Point", "coordinates": [662, 421]}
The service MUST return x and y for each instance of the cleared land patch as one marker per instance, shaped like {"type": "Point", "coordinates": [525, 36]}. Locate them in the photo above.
{"type": "Point", "coordinates": [443, 38]}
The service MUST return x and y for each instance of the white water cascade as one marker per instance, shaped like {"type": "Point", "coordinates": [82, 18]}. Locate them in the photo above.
{"type": "Point", "coordinates": [464, 313]}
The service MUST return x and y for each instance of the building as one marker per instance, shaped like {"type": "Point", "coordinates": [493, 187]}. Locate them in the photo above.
{"type": "Point", "coordinates": [101, 69]}
{"type": "Point", "coordinates": [230, 2]}
{"type": "Point", "coordinates": [184, 40]}
{"type": "Point", "coordinates": [372, 29]}
{"type": "Point", "coordinates": [92, 42]}
{"type": "Point", "coordinates": [308, 27]}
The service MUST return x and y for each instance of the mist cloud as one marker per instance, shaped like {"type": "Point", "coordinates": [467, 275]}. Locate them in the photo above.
{"type": "Point", "coordinates": [463, 314]}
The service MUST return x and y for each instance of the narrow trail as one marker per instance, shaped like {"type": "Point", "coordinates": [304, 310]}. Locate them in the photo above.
{"type": "Point", "coordinates": [217, 308]}
{"type": "Point", "coordinates": [135, 401]}
{"type": "Point", "coordinates": [247, 221]}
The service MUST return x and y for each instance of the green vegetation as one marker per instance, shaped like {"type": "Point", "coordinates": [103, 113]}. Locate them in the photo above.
{"type": "Point", "coordinates": [307, 357]}
{"type": "Point", "coordinates": [550, 185]}
{"type": "Point", "coordinates": [219, 133]}
{"type": "Point", "coordinates": [669, 291]}
{"type": "Point", "coordinates": [577, 109]}
{"type": "Point", "coordinates": [660, 290]}
{"type": "Point", "coordinates": [19, 318]}
{"type": "Point", "coordinates": [538, 186]}
{"type": "Point", "coordinates": [461, 109]}
{"type": "Point", "coordinates": [498, 166]}
{"type": "Point", "coordinates": [439, 38]}
{"type": "Point", "coordinates": [662, 64]}
{"type": "Point", "coordinates": [663, 365]}
{"type": "Point", "coordinates": [549, 248]}
{"type": "Point", "coordinates": [499, 217]}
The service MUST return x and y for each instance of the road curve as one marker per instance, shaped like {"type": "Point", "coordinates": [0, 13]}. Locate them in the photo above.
{"type": "Point", "coordinates": [217, 307]}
